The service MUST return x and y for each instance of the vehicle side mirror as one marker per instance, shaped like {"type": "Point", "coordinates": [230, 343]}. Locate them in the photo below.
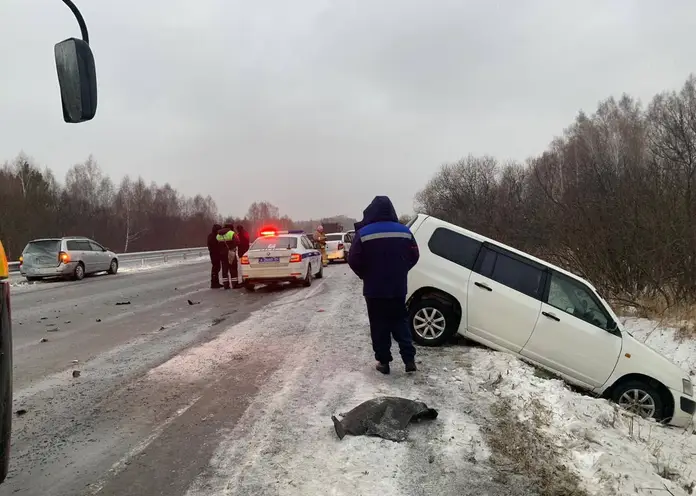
{"type": "Point", "coordinates": [613, 327]}
{"type": "Point", "coordinates": [104, 248]}
{"type": "Point", "coordinates": [77, 79]}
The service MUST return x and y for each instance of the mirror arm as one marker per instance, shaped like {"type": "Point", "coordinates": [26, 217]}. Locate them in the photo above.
{"type": "Point", "coordinates": [80, 20]}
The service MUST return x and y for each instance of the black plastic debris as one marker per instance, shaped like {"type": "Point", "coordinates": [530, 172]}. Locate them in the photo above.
{"type": "Point", "coordinates": [76, 373]}
{"type": "Point", "coordinates": [119, 303]}
{"type": "Point", "coordinates": [20, 412]}
{"type": "Point", "coordinates": [43, 340]}
{"type": "Point", "coordinates": [193, 302]}
{"type": "Point", "coordinates": [386, 417]}
{"type": "Point", "coordinates": [98, 320]}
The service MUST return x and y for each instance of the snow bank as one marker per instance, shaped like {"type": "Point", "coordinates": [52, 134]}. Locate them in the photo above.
{"type": "Point", "coordinates": [613, 452]}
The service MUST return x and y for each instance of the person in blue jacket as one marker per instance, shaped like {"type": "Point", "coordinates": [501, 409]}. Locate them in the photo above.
{"type": "Point", "coordinates": [382, 253]}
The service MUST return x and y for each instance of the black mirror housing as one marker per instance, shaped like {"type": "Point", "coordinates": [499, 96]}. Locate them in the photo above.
{"type": "Point", "coordinates": [77, 79]}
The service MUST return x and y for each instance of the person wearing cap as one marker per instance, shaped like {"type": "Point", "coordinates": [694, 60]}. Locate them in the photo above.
{"type": "Point", "coordinates": [382, 253]}
{"type": "Point", "coordinates": [320, 239]}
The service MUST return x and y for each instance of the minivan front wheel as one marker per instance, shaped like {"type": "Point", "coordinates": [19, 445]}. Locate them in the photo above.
{"type": "Point", "coordinates": [431, 322]}
{"type": "Point", "coordinates": [639, 398]}
{"type": "Point", "coordinates": [113, 268]}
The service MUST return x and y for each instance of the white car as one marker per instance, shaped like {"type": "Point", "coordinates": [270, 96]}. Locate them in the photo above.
{"type": "Point", "coordinates": [281, 256]}
{"type": "Point", "coordinates": [511, 301]}
{"type": "Point", "coordinates": [338, 246]}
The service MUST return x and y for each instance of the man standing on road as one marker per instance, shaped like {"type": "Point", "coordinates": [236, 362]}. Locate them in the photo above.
{"type": "Point", "coordinates": [382, 253]}
{"type": "Point", "coordinates": [243, 241]}
{"type": "Point", "coordinates": [227, 246]}
{"type": "Point", "coordinates": [320, 239]}
{"type": "Point", "coordinates": [214, 252]}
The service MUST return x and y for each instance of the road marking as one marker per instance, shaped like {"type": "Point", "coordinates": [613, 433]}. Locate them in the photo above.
{"type": "Point", "coordinates": [120, 465]}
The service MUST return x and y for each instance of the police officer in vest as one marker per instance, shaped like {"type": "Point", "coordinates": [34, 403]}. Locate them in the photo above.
{"type": "Point", "coordinates": [227, 244]}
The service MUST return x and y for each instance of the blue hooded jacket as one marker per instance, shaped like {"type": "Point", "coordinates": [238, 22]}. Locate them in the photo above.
{"type": "Point", "coordinates": [383, 251]}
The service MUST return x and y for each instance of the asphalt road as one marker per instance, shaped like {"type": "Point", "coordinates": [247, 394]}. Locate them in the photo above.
{"type": "Point", "coordinates": [80, 434]}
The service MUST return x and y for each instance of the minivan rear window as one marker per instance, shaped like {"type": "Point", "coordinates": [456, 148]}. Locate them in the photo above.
{"type": "Point", "coordinates": [334, 237]}
{"type": "Point", "coordinates": [275, 243]}
{"type": "Point", "coordinates": [43, 247]}
{"type": "Point", "coordinates": [455, 247]}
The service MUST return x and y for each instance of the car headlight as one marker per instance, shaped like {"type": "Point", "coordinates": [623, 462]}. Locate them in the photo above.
{"type": "Point", "coordinates": [688, 387]}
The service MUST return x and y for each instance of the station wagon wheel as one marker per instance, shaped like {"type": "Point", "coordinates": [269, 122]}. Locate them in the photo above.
{"type": "Point", "coordinates": [79, 273]}
{"type": "Point", "coordinates": [639, 398]}
{"type": "Point", "coordinates": [113, 268]}
{"type": "Point", "coordinates": [432, 322]}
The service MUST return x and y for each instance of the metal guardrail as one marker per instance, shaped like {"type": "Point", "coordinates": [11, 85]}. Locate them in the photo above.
{"type": "Point", "coordinates": [144, 256]}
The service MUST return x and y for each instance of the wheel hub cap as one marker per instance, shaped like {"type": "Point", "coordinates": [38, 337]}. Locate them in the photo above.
{"type": "Point", "coordinates": [429, 323]}
{"type": "Point", "coordinates": [639, 402]}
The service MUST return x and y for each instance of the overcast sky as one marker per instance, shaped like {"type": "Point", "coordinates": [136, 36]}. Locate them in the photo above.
{"type": "Point", "coordinates": [318, 105]}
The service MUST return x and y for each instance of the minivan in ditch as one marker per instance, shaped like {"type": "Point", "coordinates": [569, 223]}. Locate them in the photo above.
{"type": "Point", "coordinates": [511, 301]}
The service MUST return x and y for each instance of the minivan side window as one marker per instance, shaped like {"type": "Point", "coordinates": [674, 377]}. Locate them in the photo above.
{"type": "Point", "coordinates": [454, 247]}
{"type": "Point", "coordinates": [513, 272]}
{"type": "Point", "coordinates": [574, 298]}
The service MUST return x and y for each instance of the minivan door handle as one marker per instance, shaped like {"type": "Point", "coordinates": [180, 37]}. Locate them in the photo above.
{"type": "Point", "coordinates": [551, 316]}
{"type": "Point", "coordinates": [483, 286]}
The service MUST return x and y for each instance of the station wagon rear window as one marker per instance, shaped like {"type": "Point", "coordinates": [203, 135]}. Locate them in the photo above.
{"type": "Point", "coordinates": [43, 247]}
{"type": "Point", "coordinates": [275, 243]}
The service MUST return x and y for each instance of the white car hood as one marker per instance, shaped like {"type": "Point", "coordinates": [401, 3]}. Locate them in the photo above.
{"type": "Point", "coordinates": [644, 360]}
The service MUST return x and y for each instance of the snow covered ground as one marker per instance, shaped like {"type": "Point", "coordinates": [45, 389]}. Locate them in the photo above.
{"type": "Point", "coordinates": [503, 428]}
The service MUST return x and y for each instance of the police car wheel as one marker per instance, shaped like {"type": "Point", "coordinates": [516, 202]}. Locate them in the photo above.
{"type": "Point", "coordinates": [307, 282]}
{"type": "Point", "coordinates": [320, 274]}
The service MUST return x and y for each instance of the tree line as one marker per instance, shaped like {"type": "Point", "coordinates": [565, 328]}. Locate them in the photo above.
{"type": "Point", "coordinates": [129, 216]}
{"type": "Point", "coordinates": [612, 199]}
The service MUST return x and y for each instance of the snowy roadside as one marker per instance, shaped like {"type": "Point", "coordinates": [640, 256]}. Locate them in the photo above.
{"type": "Point", "coordinates": [19, 283]}
{"type": "Point", "coordinates": [503, 427]}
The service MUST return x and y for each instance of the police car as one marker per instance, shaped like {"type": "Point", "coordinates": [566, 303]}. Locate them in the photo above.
{"type": "Point", "coordinates": [281, 256]}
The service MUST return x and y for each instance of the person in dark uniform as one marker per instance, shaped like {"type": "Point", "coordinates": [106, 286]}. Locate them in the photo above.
{"type": "Point", "coordinates": [214, 252]}
{"type": "Point", "coordinates": [227, 247]}
{"type": "Point", "coordinates": [243, 241]}
{"type": "Point", "coordinates": [382, 254]}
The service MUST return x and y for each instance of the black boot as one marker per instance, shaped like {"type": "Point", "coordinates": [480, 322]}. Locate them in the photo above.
{"type": "Point", "coordinates": [215, 285]}
{"type": "Point", "coordinates": [383, 368]}
{"type": "Point", "coordinates": [411, 367]}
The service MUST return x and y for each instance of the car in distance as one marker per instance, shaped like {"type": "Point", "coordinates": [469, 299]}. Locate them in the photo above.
{"type": "Point", "coordinates": [68, 257]}
{"type": "Point", "coordinates": [338, 246]}
{"type": "Point", "coordinates": [511, 301]}
{"type": "Point", "coordinates": [281, 256]}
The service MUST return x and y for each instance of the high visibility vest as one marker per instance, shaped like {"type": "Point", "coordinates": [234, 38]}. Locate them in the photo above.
{"type": "Point", "coordinates": [223, 238]}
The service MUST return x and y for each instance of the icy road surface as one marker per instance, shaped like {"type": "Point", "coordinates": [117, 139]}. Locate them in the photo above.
{"type": "Point", "coordinates": [233, 396]}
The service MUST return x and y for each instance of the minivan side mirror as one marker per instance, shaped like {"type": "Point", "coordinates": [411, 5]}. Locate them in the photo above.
{"type": "Point", "coordinates": [613, 328]}
{"type": "Point", "coordinates": [77, 79]}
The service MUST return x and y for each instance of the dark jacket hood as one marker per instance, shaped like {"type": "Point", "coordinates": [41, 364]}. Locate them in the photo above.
{"type": "Point", "coordinates": [380, 210]}
{"type": "Point", "coordinates": [216, 228]}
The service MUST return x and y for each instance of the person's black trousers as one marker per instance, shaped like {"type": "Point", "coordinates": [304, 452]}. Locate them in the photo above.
{"type": "Point", "coordinates": [388, 318]}
{"type": "Point", "coordinates": [214, 273]}
{"type": "Point", "coordinates": [224, 261]}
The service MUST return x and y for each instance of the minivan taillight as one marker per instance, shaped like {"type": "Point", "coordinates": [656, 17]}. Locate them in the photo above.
{"type": "Point", "coordinates": [63, 257]}
{"type": "Point", "coordinates": [295, 257]}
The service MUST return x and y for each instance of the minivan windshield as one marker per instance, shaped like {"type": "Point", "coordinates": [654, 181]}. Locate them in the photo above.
{"type": "Point", "coordinates": [43, 247]}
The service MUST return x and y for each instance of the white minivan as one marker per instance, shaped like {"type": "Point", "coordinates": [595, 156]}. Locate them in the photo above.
{"type": "Point", "coordinates": [508, 300]}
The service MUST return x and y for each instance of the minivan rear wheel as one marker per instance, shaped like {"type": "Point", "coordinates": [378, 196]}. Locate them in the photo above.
{"type": "Point", "coordinates": [432, 322]}
{"type": "Point", "coordinates": [79, 273]}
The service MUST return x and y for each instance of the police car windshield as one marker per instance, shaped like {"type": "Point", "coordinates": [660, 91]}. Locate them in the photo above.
{"type": "Point", "coordinates": [275, 243]}
{"type": "Point", "coordinates": [334, 237]}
